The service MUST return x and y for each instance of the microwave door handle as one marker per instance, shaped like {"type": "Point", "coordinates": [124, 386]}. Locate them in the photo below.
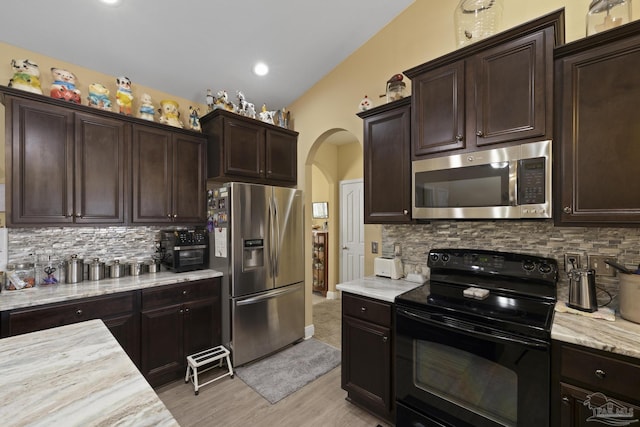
{"type": "Point", "coordinates": [472, 332]}
{"type": "Point", "coordinates": [513, 183]}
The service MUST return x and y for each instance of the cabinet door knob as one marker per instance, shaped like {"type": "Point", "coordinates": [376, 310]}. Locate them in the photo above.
{"type": "Point", "coordinates": [405, 212]}
{"type": "Point", "coordinates": [363, 309]}
{"type": "Point", "coordinates": [385, 339]}
{"type": "Point", "coordinates": [184, 292]}
{"type": "Point", "coordinates": [186, 310]}
{"type": "Point", "coordinates": [600, 374]}
{"type": "Point", "coordinates": [269, 172]}
{"type": "Point", "coordinates": [175, 215]}
{"type": "Point", "coordinates": [181, 311]}
{"type": "Point", "coordinates": [480, 133]}
{"type": "Point", "coordinates": [78, 215]}
{"type": "Point", "coordinates": [566, 210]}
{"type": "Point", "coordinates": [459, 138]}
{"type": "Point", "coordinates": [565, 401]}
{"type": "Point", "coordinates": [168, 215]}
{"type": "Point", "coordinates": [78, 312]}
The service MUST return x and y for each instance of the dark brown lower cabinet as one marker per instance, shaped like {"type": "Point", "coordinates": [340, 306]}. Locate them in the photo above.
{"type": "Point", "coordinates": [178, 320]}
{"type": "Point", "coordinates": [367, 343]}
{"type": "Point", "coordinates": [119, 313]}
{"type": "Point", "coordinates": [593, 387]}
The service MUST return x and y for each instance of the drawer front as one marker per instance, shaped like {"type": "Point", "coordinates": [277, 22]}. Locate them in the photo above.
{"type": "Point", "coordinates": [366, 309]}
{"type": "Point", "coordinates": [601, 373]}
{"type": "Point", "coordinates": [180, 293]}
{"type": "Point", "coordinates": [35, 319]}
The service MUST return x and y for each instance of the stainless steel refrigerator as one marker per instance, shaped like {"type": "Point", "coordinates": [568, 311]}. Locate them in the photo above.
{"type": "Point", "coordinates": [257, 242]}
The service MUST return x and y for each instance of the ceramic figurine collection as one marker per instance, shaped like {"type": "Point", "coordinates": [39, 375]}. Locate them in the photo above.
{"type": "Point", "coordinates": [26, 76]}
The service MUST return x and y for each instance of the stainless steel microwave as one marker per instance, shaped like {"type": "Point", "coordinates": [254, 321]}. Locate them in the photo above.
{"type": "Point", "coordinates": [502, 183]}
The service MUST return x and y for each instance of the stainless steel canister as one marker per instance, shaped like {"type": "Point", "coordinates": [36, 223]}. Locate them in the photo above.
{"type": "Point", "coordinates": [116, 269]}
{"type": "Point", "coordinates": [96, 269]}
{"type": "Point", "coordinates": [153, 265]}
{"type": "Point", "coordinates": [73, 269]}
{"type": "Point", "coordinates": [137, 267]}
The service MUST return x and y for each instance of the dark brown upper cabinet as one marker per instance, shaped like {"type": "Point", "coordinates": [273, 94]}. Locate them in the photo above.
{"type": "Point", "coordinates": [387, 163]}
{"type": "Point", "coordinates": [69, 164]}
{"type": "Point", "coordinates": [496, 91]}
{"type": "Point", "coordinates": [248, 150]}
{"type": "Point", "coordinates": [168, 177]}
{"type": "Point", "coordinates": [596, 166]}
{"type": "Point", "coordinates": [63, 166]}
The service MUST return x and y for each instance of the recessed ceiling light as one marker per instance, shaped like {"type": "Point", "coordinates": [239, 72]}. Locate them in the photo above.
{"type": "Point", "coordinates": [111, 2]}
{"type": "Point", "coordinates": [261, 69]}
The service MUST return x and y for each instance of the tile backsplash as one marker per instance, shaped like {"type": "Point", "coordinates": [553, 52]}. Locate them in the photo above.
{"type": "Point", "coordinates": [106, 243]}
{"type": "Point", "coordinates": [531, 237]}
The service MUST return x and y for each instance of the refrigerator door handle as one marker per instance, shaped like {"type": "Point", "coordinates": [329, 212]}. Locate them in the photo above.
{"type": "Point", "coordinates": [266, 296]}
{"type": "Point", "coordinates": [276, 221]}
{"type": "Point", "coordinates": [272, 271]}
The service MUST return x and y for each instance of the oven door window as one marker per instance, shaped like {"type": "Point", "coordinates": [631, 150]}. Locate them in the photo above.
{"type": "Point", "coordinates": [472, 186]}
{"type": "Point", "coordinates": [191, 257]}
{"type": "Point", "coordinates": [467, 380]}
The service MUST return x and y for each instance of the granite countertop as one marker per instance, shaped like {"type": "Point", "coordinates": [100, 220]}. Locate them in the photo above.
{"type": "Point", "coordinates": [377, 287]}
{"type": "Point", "coordinates": [621, 336]}
{"type": "Point", "coordinates": [74, 375]}
{"type": "Point", "coordinates": [64, 292]}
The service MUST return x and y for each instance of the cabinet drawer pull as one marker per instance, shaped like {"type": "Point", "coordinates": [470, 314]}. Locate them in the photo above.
{"type": "Point", "coordinates": [78, 312]}
{"type": "Point", "coordinates": [363, 309]}
{"type": "Point", "coordinates": [184, 292]}
{"type": "Point", "coordinates": [600, 374]}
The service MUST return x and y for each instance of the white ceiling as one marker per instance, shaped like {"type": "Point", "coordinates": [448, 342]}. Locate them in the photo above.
{"type": "Point", "coordinates": [185, 47]}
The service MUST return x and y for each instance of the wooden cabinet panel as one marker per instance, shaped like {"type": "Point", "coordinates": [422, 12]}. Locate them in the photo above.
{"type": "Point", "coordinates": [367, 345]}
{"type": "Point", "coordinates": [119, 312]}
{"type": "Point", "coordinates": [496, 91]}
{"type": "Point", "coordinates": [176, 321]}
{"type": "Point", "coordinates": [281, 156]}
{"type": "Point", "coordinates": [247, 150]}
{"type": "Point", "coordinates": [189, 195]}
{"type": "Point", "coordinates": [168, 177]}
{"type": "Point", "coordinates": [439, 110]}
{"type": "Point", "coordinates": [100, 169]}
{"type": "Point", "coordinates": [366, 365]}
{"type": "Point", "coordinates": [578, 405]}
{"type": "Point", "coordinates": [39, 156]}
{"type": "Point", "coordinates": [599, 137]}
{"type": "Point", "coordinates": [513, 90]}
{"type": "Point", "coordinates": [387, 163]}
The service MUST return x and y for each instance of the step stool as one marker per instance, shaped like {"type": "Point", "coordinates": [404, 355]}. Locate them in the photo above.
{"type": "Point", "coordinates": [205, 357]}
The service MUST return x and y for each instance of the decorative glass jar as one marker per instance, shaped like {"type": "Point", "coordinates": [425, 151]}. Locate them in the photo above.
{"type": "Point", "coordinates": [476, 19]}
{"type": "Point", "coordinates": [20, 275]}
{"type": "Point", "coordinates": [607, 14]}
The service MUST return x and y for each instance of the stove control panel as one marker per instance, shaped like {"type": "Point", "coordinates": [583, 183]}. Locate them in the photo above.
{"type": "Point", "coordinates": [485, 262]}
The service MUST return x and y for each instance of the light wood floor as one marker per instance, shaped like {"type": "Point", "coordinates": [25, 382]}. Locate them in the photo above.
{"type": "Point", "coordinates": [230, 402]}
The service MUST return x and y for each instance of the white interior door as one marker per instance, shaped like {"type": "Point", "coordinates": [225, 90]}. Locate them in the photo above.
{"type": "Point", "coordinates": [351, 230]}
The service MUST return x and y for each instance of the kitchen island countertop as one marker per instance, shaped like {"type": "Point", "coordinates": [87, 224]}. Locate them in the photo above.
{"type": "Point", "coordinates": [74, 375]}
{"type": "Point", "coordinates": [64, 292]}
{"type": "Point", "coordinates": [376, 287]}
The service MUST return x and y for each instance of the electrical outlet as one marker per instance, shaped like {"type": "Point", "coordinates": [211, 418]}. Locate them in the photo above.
{"type": "Point", "coordinates": [571, 261]}
{"type": "Point", "coordinates": [597, 262]}
{"type": "Point", "coordinates": [374, 247]}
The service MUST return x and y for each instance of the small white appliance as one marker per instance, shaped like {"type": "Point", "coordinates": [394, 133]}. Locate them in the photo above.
{"type": "Point", "coordinates": [388, 267]}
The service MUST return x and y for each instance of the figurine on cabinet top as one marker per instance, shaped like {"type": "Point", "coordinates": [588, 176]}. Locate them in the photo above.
{"type": "Point", "coordinates": [210, 100]}
{"type": "Point", "coordinates": [146, 111]}
{"type": "Point", "coordinates": [266, 116]}
{"type": "Point", "coordinates": [221, 101]}
{"type": "Point", "coordinates": [26, 76]}
{"type": "Point", "coordinates": [124, 97]}
{"type": "Point", "coordinates": [245, 108]}
{"type": "Point", "coordinates": [64, 86]}
{"type": "Point", "coordinates": [99, 97]}
{"type": "Point", "coordinates": [365, 104]}
{"type": "Point", "coordinates": [169, 114]}
{"type": "Point", "coordinates": [194, 120]}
